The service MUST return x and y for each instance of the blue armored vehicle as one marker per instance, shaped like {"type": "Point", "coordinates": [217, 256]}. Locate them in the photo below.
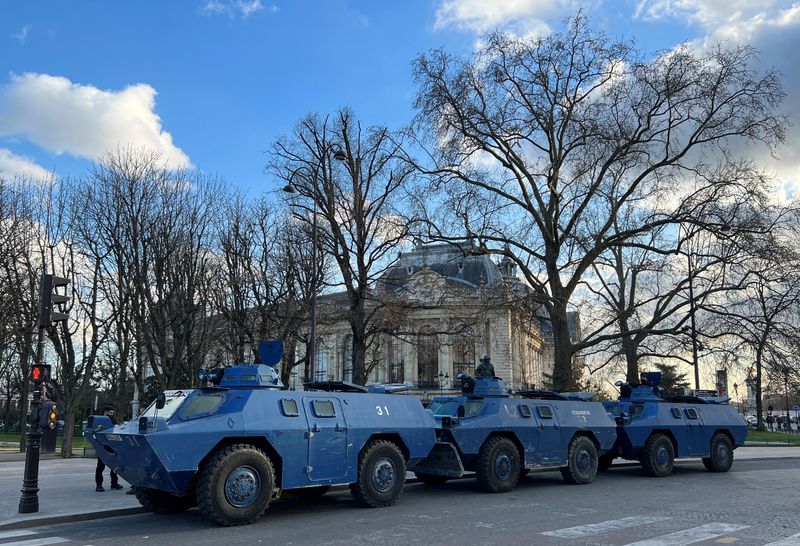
{"type": "Point", "coordinates": [655, 428]}
{"type": "Point", "coordinates": [501, 437]}
{"type": "Point", "coordinates": [232, 446]}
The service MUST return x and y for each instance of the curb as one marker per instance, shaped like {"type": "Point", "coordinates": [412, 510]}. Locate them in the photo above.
{"type": "Point", "coordinates": [40, 521]}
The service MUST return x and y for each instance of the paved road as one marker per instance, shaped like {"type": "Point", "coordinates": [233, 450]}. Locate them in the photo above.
{"type": "Point", "coordinates": [749, 506]}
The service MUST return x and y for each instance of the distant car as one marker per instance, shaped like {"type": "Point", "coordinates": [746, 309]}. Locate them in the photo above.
{"type": "Point", "coordinates": [752, 420]}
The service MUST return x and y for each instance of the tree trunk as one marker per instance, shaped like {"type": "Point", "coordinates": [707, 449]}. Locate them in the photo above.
{"type": "Point", "coordinates": [563, 379]}
{"type": "Point", "coordinates": [759, 408]}
{"type": "Point", "coordinates": [69, 426]}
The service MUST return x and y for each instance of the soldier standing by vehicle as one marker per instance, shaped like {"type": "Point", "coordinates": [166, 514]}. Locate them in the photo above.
{"type": "Point", "coordinates": [108, 411]}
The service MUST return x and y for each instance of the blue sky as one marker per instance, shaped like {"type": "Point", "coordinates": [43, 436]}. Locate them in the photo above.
{"type": "Point", "coordinates": [212, 83]}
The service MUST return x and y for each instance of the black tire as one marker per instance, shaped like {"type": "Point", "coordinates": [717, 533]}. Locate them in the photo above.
{"type": "Point", "coordinates": [581, 461]}
{"type": "Point", "coordinates": [161, 502]}
{"type": "Point", "coordinates": [605, 461]}
{"type": "Point", "coordinates": [658, 456]}
{"type": "Point", "coordinates": [431, 479]}
{"type": "Point", "coordinates": [381, 475]}
{"type": "Point", "coordinates": [498, 466]}
{"type": "Point", "coordinates": [235, 486]}
{"type": "Point", "coordinates": [721, 457]}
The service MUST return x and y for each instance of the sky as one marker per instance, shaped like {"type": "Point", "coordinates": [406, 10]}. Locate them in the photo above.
{"type": "Point", "coordinates": [210, 84]}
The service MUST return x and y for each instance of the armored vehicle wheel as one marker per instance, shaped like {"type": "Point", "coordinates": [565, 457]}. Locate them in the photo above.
{"type": "Point", "coordinates": [581, 462]}
{"type": "Point", "coordinates": [498, 465]}
{"type": "Point", "coordinates": [161, 502]}
{"type": "Point", "coordinates": [658, 456]}
{"type": "Point", "coordinates": [604, 462]}
{"type": "Point", "coordinates": [721, 457]}
{"type": "Point", "coordinates": [235, 485]}
{"type": "Point", "coordinates": [381, 475]}
{"type": "Point", "coordinates": [431, 479]}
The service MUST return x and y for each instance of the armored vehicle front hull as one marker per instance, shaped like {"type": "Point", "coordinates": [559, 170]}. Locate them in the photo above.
{"type": "Point", "coordinates": [224, 448]}
{"type": "Point", "coordinates": [656, 429]}
{"type": "Point", "coordinates": [501, 438]}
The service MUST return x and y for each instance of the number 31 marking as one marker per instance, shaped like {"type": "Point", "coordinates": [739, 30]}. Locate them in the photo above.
{"type": "Point", "coordinates": [382, 410]}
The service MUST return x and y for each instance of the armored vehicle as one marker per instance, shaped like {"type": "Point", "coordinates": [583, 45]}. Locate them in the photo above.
{"type": "Point", "coordinates": [655, 428]}
{"type": "Point", "coordinates": [231, 447]}
{"type": "Point", "coordinates": [501, 437]}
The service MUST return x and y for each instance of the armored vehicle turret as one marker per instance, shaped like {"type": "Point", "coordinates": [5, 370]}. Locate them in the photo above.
{"type": "Point", "coordinates": [501, 437]}
{"type": "Point", "coordinates": [655, 428]}
{"type": "Point", "coordinates": [232, 446]}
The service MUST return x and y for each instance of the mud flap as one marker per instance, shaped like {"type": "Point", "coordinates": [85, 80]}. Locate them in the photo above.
{"type": "Point", "coordinates": [443, 460]}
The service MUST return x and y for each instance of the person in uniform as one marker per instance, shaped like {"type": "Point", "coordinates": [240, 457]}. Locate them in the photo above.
{"type": "Point", "coordinates": [485, 369]}
{"type": "Point", "coordinates": [108, 411]}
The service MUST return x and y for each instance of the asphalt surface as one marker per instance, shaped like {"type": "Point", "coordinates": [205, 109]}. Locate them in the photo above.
{"type": "Point", "coordinates": [66, 488]}
{"type": "Point", "coordinates": [753, 504]}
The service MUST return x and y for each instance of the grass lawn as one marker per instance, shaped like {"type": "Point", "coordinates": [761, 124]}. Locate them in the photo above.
{"type": "Point", "coordinates": [767, 437]}
{"type": "Point", "coordinates": [78, 442]}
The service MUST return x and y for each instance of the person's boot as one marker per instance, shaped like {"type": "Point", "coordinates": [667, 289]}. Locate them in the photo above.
{"type": "Point", "coordinates": [116, 486]}
{"type": "Point", "coordinates": [99, 489]}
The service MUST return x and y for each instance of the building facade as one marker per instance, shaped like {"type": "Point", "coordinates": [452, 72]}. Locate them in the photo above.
{"type": "Point", "coordinates": [455, 308]}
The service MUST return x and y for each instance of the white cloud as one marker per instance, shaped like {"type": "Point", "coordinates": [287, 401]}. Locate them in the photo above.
{"type": "Point", "coordinates": [484, 15]}
{"type": "Point", "coordinates": [232, 8]}
{"type": "Point", "coordinates": [773, 28]}
{"type": "Point", "coordinates": [15, 166]}
{"type": "Point", "coordinates": [82, 120]}
{"type": "Point", "coordinates": [22, 35]}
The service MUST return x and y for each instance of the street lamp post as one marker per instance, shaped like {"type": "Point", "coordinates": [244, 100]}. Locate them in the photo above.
{"type": "Point", "coordinates": [339, 155]}
{"type": "Point", "coordinates": [786, 394]}
{"type": "Point", "coordinates": [723, 227]}
{"type": "Point", "coordinates": [736, 393]}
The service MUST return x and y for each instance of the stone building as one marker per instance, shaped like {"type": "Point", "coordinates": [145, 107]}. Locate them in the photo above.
{"type": "Point", "coordinates": [456, 308]}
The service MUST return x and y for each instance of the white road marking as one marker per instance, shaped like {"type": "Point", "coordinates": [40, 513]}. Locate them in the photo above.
{"type": "Point", "coordinates": [690, 536]}
{"type": "Point", "coordinates": [602, 527]}
{"type": "Point", "coordinates": [793, 540]}
{"type": "Point", "coordinates": [37, 541]}
{"type": "Point", "coordinates": [15, 534]}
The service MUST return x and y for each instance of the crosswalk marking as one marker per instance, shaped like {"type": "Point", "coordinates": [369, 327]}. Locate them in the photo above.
{"type": "Point", "coordinates": [793, 540]}
{"type": "Point", "coordinates": [690, 536]}
{"type": "Point", "coordinates": [15, 534]}
{"type": "Point", "coordinates": [611, 525]}
{"type": "Point", "coordinates": [37, 541]}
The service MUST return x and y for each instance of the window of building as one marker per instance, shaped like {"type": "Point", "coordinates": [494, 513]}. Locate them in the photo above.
{"type": "Point", "coordinates": [427, 361]}
{"type": "Point", "coordinates": [394, 359]}
{"type": "Point", "coordinates": [321, 365]}
{"type": "Point", "coordinates": [464, 353]}
{"type": "Point", "coordinates": [347, 358]}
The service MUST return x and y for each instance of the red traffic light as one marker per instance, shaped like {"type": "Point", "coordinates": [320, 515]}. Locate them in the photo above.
{"type": "Point", "coordinates": [39, 373]}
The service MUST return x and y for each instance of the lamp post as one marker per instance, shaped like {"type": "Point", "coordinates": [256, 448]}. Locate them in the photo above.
{"type": "Point", "coordinates": [785, 371]}
{"type": "Point", "coordinates": [339, 155]}
{"type": "Point", "coordinates": [723, 227]}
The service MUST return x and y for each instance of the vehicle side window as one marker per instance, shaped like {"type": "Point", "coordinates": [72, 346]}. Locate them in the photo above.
{"type": "Point", "coordinates": [545, 412]}
{"type": "Point", "coordinates": [691, 413]}
{"type": "Point", "coordinates": [525, 410]}
{"type": "Point", "coordinates": [676, 413]}
{"type": "Point", "coordinates": [473, 408]}
{"type": "Point", "coordinates": [289, 407]}
{"type": "Point", "coordinates": [324, 408]}
{"type": "Point", "coordinates": [202, 405]}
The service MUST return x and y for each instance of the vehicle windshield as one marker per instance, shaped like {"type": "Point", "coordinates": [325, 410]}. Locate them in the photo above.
{"type": "Point", "coordinates": [173, 402]}
{"type": "Point", "coordinates": [444, 408]}
{"type": "Point", "coordinates": [449, 408]}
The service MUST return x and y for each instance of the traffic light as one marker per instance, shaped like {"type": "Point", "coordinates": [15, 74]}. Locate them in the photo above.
{"type": "Point", "coordinates": [49, 299]}
{"type": "Point", "coordinates": [40, 373]}
{"type": "Point", "coordinates": [48, 415]}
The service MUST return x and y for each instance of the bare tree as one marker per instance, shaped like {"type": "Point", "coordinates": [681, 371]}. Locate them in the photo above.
{"type": "Point", "coordinates": [357, 202]}
{"type": "Point", "coordinates": [539, 143]}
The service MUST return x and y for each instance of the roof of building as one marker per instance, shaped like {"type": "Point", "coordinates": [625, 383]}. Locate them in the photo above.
{"type": "Point", "coordinates": [458, 264]}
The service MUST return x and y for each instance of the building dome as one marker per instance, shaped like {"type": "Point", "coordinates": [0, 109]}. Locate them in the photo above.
{"type": "Point", "coordinates": [453, 262]}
